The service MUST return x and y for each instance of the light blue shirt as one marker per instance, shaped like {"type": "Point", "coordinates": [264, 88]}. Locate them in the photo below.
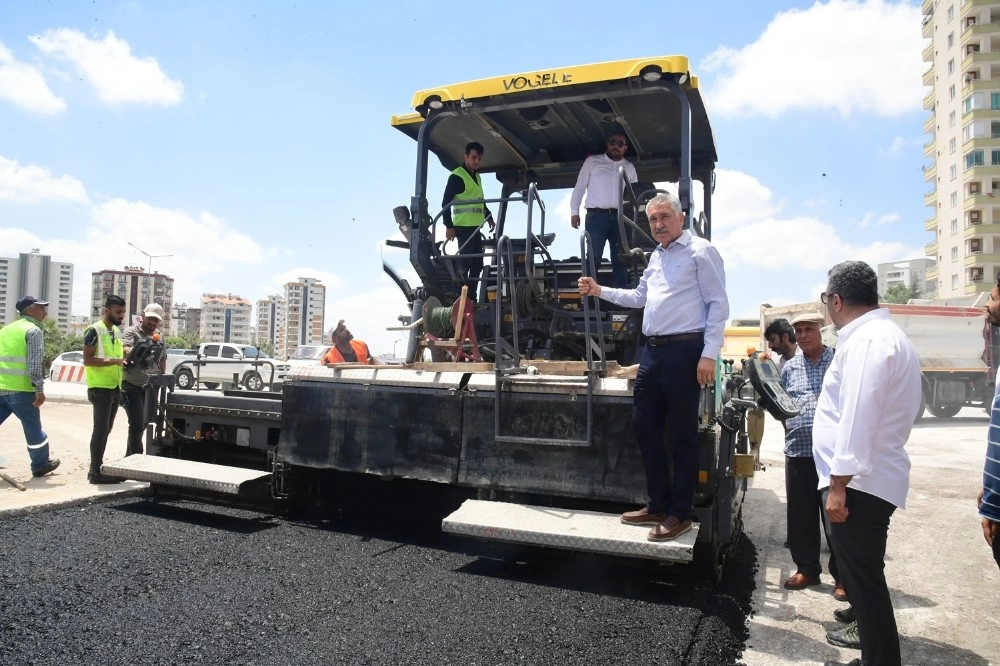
{"type": "Point", "coordinates": [683, 289]}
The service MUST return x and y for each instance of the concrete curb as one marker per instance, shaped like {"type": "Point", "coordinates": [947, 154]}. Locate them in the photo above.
{"type": "Point", "coordinates": [75, 501]}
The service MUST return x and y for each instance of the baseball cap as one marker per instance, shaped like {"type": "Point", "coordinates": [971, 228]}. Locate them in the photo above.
{"type": "Point", "coordinates": [154, 310]}
{"type": "Point", "coordinates": [27, 302]}
{"type": "Point", "coordinates": [809, 316]}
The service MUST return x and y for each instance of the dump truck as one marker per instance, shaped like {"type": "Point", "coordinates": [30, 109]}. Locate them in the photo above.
{"type": "Point", "coordinates": [956, 345]}
{"type": "Point", "coordinates": [516, 393]}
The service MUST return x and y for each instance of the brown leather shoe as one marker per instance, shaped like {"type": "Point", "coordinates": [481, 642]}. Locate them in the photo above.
{"type": "Point", "coordinates": [839, 593]}
{"type": "Point", "coordinates": [671, 528]}
{"type": "Point", "coordinates": [800, 581]}
{"type": "Point", "coordinates": [643, 517]}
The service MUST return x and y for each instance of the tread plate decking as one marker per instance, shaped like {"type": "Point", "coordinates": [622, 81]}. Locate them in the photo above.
{"type": "Point", "coordinates": [182, 473]}
{"type": "Point", "coordinates": [561, 528]}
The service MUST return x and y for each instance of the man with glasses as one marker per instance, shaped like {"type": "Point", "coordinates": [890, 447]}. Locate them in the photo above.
{"type": "Point", "coordinates": [864, 414]}
{"type": "Point", "coordinates": [22, 345]}
{"type": "Point", "coordinates": [103, 358]}
{"type": "Point", "coordinates": [599, 179]}
{"type": "Point", "coordinates": [463, 220]}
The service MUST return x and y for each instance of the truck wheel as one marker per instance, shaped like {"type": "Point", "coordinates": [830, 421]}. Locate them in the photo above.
{"type": "Point", "coordinates": [923, 405]}
{"type": "Point", "coordinates": [944, 411]}
{"type": "Point", "coordinates": [211, 385]}
{"type": "Point", "coordinates": [184, 379]}
{"type": "Point", "coordinates": [252, 382]}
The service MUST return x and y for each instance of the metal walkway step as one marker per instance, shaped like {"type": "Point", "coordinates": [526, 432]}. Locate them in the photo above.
{"type": "Point", "coordinates": [182, 473]}
{"type": "Point", "coordinates": [586, 531]}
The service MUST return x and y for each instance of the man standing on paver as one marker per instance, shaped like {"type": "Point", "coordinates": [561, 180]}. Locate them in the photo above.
{"type": "Point", "coordinates": [22, 345]}
{"type": "Point", "coordinates": [864, 414]}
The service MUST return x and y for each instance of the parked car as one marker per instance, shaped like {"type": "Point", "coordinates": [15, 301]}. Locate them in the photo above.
{"type": "Point", "coordinates": [67, 367]}
{"type": "Point", "coordinates": [217, 363]}
{"type": "Point", "coordinates": [307, 355]}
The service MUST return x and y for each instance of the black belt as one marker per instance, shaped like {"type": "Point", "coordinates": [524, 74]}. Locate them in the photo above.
{"type": "Point", "coordinates": [659, 340]}
{"type": "Point", "coordinates": [603, 210]}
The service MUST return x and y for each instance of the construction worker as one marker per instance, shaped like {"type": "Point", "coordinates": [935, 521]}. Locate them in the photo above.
{"type": "Point", "coordinates": [346, 349]}
{"type": "Point", "coordinates": [103, 358]}
{"type": "Point", "coordinates": [22, 344]}
{"type": "Point", "coordinates": [462, 221]}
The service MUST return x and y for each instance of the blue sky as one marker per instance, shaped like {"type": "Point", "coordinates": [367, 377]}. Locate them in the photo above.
{"type": "Point", "coordinates": [251, 140]}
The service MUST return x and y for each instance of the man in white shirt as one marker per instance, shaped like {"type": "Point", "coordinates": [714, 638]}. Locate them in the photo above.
{"type": "Point", "coordinates": [599, 178]}
{"type": "Point", "coordinates": [865, 410]}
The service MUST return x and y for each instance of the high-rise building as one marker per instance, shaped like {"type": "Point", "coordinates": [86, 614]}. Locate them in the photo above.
{"type": "Point", "coordinates": [35, 274]}
{"type": "Point", "coordinates": [225, 318]}
{"type": "Point", "coordinates": [305, 308]}
{"type": "Point", "coordinates": [185, 319]}
{"type": "Point", "coordinates": [138, 288]}
{"type": "Point", "coordinates": [963, 154]}
{"type": "Point", "coordinates": [908, 273]}
{"type": "Point", "coordinates": [271, 321]}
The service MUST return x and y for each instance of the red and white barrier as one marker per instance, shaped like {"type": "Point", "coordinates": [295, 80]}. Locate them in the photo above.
{"type": "Point", "coordinates": [68, 373]}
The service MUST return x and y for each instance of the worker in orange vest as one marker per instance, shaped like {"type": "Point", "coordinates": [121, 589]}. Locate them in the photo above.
{"type": "Point", "coordinates": [346, 349]}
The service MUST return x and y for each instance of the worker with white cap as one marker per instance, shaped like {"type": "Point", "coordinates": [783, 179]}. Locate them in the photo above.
{"type": "Point", "coordinates": [802, 376]}
{"type": "Point", "coordinates": [136, 375]}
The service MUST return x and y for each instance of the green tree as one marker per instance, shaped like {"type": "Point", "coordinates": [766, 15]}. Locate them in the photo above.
{"type": "Point", "coordinates": [915, 290]}
{"type": "Point", "coordinates": [897, 293]}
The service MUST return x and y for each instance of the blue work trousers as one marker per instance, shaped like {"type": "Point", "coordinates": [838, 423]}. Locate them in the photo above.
{"type": "Point", "coordinates": [22, 405]}
{"type": "Point", "coordinates": [603, 229]}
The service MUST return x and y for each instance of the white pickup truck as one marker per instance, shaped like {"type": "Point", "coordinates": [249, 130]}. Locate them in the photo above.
{"type": "Point", "coordinates": [216, 364]}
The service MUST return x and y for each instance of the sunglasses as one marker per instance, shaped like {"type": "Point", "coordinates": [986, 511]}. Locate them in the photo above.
{"type": "Point", "coordinates": [824, 298]}
{"type": "Point", "coordinates": [615, 142]}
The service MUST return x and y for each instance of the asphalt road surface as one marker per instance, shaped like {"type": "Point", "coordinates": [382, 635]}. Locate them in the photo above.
{"type": "Point", "coordinates": [156, 580]}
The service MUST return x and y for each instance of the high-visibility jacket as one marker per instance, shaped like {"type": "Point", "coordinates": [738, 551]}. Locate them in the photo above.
{"type": "Point", "coordinates": [360, 350]}
{"type": "Point", "coordinates": [109, 345]}
{"type": "Point", "coordinates": [468, 215]}
{"type": "Point", "coordinates": [14, 356]}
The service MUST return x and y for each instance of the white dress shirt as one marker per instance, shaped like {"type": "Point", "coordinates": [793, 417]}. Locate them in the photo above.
{"type": "Point", "coordinates": [865, 412]}
{"type": "Point", "coordinates": [599, 177]}
{"type": "Point", "coordinates": [683, 289]}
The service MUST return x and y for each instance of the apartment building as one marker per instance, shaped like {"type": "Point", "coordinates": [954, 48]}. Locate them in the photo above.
{"type": "Point", "coordinates": [305, 309]}
{"type": "Point", "coordinates": [963, 154]}
{"type": "Point", "coordinates": [907, 273]}
{"type": "Point", "coordinates": [35, 274]}
{"type": "Point", "coordinates": [138, 288]}
{"type": "Point", "coordinates": [225, 318]}
{"type": "Point", "coordinates": [185, 319]}
{"type": "Point", "coordinates": [271, 322]}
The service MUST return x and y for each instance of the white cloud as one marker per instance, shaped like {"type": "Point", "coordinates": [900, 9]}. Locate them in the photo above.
{"type": "Point", "coordinates": [32, 184]}
{"type": "Point", "coordinates": [843, 54]}
{"type": "Point", "coordinates": [109, 66]}
{"type": "Point", "coordinates": [25, 86]}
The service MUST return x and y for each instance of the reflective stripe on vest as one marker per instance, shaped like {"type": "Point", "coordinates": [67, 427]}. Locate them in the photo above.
{"type": "Point", "coordinates": [109, 345]}
{"type": "Point", "coordinates": [14, 375]}
{"type": "Point", "coordinates": [468, 215]}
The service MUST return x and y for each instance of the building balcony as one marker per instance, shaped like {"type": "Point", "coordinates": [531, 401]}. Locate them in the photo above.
{"type": "Point", "coordinates": [980, 142]}
{"type": "Point", "coordinates": [985, 170]}
{"type": "Point", "coordinates": [930, 199]}
{"type": "Point", "coordinates": [931, 274]}
{"type": "Point", "coordinates": [927, 28]}
{"type": "Point", "coordinates": [928, 78]}
{"type": "Point", "coordinates": [970, 7]}
{"type": "Point", "coordinates": [978, 230]}
{"type": "Point", "coordinates": [980, 259]}
{"type": "Point", "coordinates": [930, 250]}
{"type": "Point", "coordinates": [979, 58]}
{"type": "Point", "coordinates": [928, 54]}
{"type": "Point", "coordinates": [931, 223]}
{"type": "Point", "coordinates": [930, 125]}
{"type": "Point", "coordinates": [973, 288]}
{"type": "Point", "coordinates": [977, 30]}
{"type": "Point", "coordinates": [980, 85]}
{"type": "Point", "coordinates": [930, 173]}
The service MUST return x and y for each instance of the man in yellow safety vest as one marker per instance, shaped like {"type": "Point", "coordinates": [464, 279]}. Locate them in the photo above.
{"type": "Point", "coordinates": [103, 358]}
{"type": "Point", "coordinates": [22, 345]}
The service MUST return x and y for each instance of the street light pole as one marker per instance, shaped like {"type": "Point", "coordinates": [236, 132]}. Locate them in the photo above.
{"type": "Point", "coordinates": [149, 268]}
